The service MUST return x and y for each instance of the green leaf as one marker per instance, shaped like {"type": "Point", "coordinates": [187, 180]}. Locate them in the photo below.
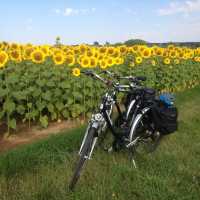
{"type": "Point", "coordinates": [44, 121]}
{"type": "Point", "coordinates": [9, 106]}
{"type": "Point", "coordinates": [29, 105]}
{"type": "Point", "coordinates": [65, 85]}
{"type": "Point", "coordinates": [53, 115]}
{"type": "Point", "coordinates": [59, 105]}
{"type": "Point", "coordinates": [3, 92]}
{"type": "Point", "coordinates": [50, 83]}
{"type": "Point", "coordinates": [46, 95]}
{"type": "Point", "coordinates": [12, 123]}
{"type": "Point", "coordinates": [19, 95]}
{"type": "Point", "coordinates": [40, 105]}
{"type": "Point", "coordinates": [21, 109]}
{"type": "Point", "coordinates": [40, 83]}
{"type": "Point", "coordinates": [1, 114]}
{"type": "Point", "coordinates": [50, 108]}
{"type": "Point", "coordinates": [37, 93]}
{"type": "Point", "coordinates": [13, 79]}
{"type": "Point", "coordinates": [65, 113]}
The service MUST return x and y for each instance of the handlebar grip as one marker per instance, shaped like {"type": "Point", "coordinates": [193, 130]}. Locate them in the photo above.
{"type": "Point", "coordinates": [141, 78]}
{"type": "Point", "coordinates": [88, 72]}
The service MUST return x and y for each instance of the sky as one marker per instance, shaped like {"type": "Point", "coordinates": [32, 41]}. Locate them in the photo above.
{"type": "Point", "coordinates": [86, 21]}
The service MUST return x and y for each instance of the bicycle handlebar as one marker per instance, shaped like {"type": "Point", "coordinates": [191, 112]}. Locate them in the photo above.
{"type": "Point", "coordinates": [109, 83]}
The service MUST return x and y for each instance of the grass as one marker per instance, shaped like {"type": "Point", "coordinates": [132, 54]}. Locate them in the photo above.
{"type": "Point", "coordinates": [42, 170]}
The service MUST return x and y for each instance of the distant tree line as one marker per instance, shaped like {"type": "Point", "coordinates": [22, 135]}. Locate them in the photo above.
{"type": "Point", "coordinates": [132, 42]}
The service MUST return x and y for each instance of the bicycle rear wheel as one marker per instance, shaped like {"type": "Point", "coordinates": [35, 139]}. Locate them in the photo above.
{"type": "Point", "coordinates": [84, 155]}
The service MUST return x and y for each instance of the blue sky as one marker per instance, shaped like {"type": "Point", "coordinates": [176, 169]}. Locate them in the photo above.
{"type": "Point", "coordinates": [78, 21]}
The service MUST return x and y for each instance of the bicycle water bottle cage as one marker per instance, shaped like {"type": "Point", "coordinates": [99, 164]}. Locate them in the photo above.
{"type": "Point", "coordinates": [167, 99]}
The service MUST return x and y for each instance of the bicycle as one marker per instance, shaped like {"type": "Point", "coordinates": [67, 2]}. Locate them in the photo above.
{"type": "Point", "coordinates": [132, 127]}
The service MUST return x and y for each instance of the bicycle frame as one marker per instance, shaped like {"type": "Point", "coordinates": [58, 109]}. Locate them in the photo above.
{"type": "Point", "coordinates": [102, 118]}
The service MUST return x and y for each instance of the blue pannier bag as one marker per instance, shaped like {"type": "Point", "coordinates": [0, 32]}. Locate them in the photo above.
{"type": "Point", "coordinates": [167, 99]}
{"type": "Point", "coordinates": [165, 114]}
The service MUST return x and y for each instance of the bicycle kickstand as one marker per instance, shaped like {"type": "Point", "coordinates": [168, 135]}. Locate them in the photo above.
{"type": "Point", "coordinates": [132, 153]}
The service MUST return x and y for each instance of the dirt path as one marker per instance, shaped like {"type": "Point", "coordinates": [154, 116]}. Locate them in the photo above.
{"type": "Point", "coordinates": [27, 135]}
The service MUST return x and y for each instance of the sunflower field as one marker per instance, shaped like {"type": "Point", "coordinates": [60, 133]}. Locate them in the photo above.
{"type": "Point", "coordinates": [44, 83]}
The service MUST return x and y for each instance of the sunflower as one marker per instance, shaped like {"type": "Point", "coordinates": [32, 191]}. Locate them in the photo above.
{"type": "Point", "coordinates": [27, 52]}
{"type": "Point", "coordinates": [176, 61]}
{"type": "Point", "coordinates": [58, 59]}
{"type": "Point", "coordinates": [37, 56]}
{"type": "Point", "coordinates": [3, 58]}
{"type": "Point", "coordinates": [153, 63]}
{"type": "Point", "coordinates": [82, 48]}
{"type": "Point", "coordinates": [132, 64]}
{"type": "Point", "coordinates": [159, 51]}
{"type": "Point", "coordinates": [85, 62]}
{"type": "Point", "coordinates": [93, 62]}
{"type": "Point", "coordinates": [123, 49]}
{"type": "Point", "coordinates": [1, 46]}
{"type": "Point", "coordinates": [138, 60]}
{"type": "Point", "coordinates": [135, 48]}
{"type": "Point", "coordinates": [173, 54]}
{"type": "Point", "coordinates": [146, 53]}
{"type": "Point", "coordinates": [76, 71]}
{"type": "Point", "coordinates": [110, 61]}
{"type": "Point", "coordinates": [70, 60]}
{"type": "Point", "coordinates": [89, 53]}
{"type": "Point", "coordinates": [118, 60]}
{"type": "Point", "coordinates": [102, 50]}
{"type": "Point", "coordinates": [167, 61]}
{"type": "Point", "coordinates": [103, 64]}
{"type": "Point", "coordinates": [45, 49]}
{"type": "Point", "coordinates": [14, 46]}
{"type": "Point", "coordinates": [110, 51]}
{"type": "Point", "coordinates": [16, 56]}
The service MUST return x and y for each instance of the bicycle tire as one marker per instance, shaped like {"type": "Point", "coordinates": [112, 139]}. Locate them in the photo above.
{"type": "Point", "coordinates": [153, 144]}
{"type": "Point", "coordinates": [83, 157]}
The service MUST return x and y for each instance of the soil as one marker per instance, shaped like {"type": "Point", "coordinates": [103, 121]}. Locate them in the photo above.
{"type": "Point", "coordinates": [26, 135]}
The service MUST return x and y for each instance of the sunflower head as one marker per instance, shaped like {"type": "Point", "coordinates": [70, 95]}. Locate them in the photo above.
{"type": "Point", "coordinates": [167, 61]}
{"type": "Point", "coordinates": [27, 52]}
{"type": "Point", "coordinates": [138, 60]}
{"type": "Point", "coordinates": [76, 72]}
{"type": "Point", "coordinates": [110, 51]}
{"type": "Point", "coordinates": [146, 53]}
{"type": "Point", "coordinates": [93, 62]}
{"type": "Point", "coordinates": [103, 64]}
{"type": "Point", "coordinates": [70, 60]}
{"type": "Point", "coordinates": [37, 56]}
{"type": "Point", "coordinates": [16, 56]}
{"type": "Point", "coordinates": [14, 46]}
{"type": "Point", "coordinates": [3, 58]}
{"type": "Point", "coordinates": [110, 61]}
{"type": "Point", "coordinates": [153, 63]}
{"type": "Point", "coordinates": [85, 62]}
{"type": "Point", "coordinates": [176, 61]}
{"type": "Point", "coordinates": [58, 59]}
{"type": "Point", "coordinates": [123, 49]}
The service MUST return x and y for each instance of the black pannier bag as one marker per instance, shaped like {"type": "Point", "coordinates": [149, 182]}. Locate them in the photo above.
{"type": "Point", "coordinates": [165, 118]}
{"type": "Point", "coordinates": [148, 95]}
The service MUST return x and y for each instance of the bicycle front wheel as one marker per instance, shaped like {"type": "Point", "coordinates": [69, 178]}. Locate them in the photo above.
{"type": "Point", "coordinates": [84, 155]}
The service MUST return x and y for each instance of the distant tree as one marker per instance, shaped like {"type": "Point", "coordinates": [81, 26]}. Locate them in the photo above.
{"type": "Point", "coordinates": [134, 41]}
{"type": "Point", "coordinates": [107, 43]}
{"type": "Point", "coordinates": [96, 43]}
{"type": "Point", "coordinates": [58, 41]}
{"type": "Point", "coordinates": [118, 44]}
